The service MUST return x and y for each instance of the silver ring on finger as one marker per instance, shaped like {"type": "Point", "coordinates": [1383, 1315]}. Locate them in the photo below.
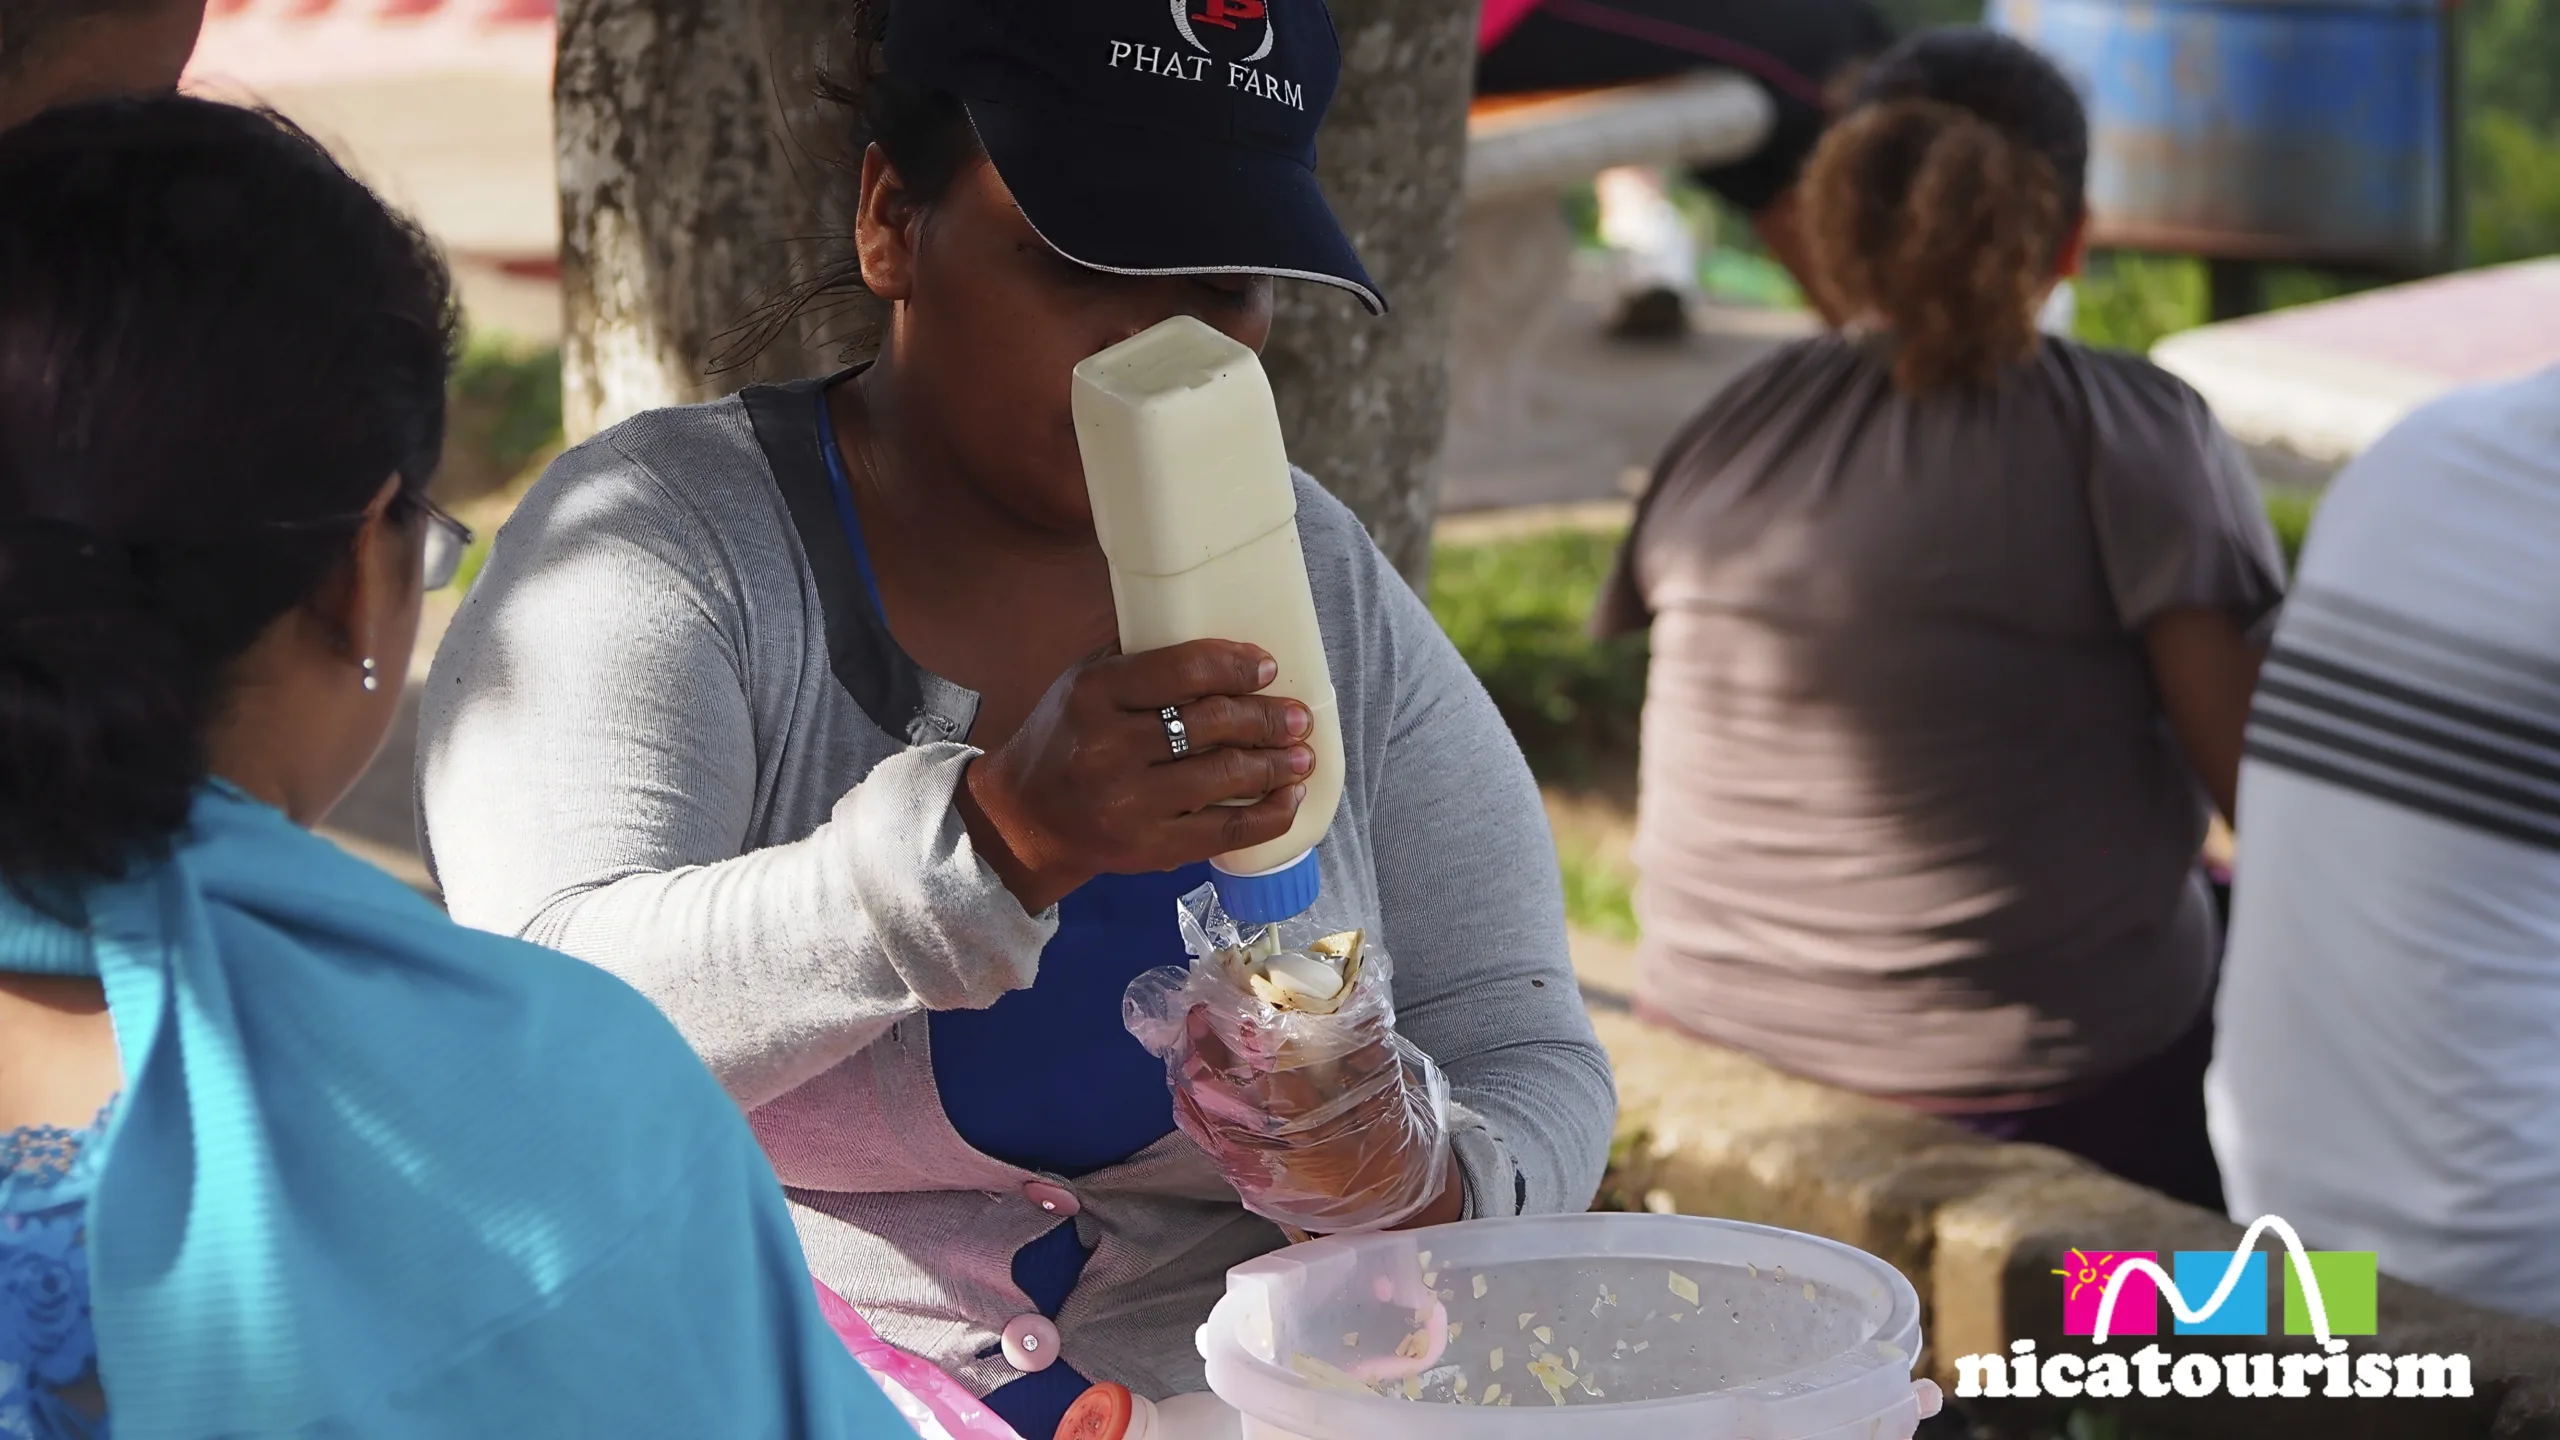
{"type": "Point", "coordinates": [1176, 734]}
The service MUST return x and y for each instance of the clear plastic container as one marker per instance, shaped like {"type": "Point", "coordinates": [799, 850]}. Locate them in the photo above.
{"type": "Point", "coordinates": [1609, 1327]}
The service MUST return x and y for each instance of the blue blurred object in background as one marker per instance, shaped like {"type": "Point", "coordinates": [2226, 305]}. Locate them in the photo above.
{"type": "Point", "coordinates": [2311, 131]}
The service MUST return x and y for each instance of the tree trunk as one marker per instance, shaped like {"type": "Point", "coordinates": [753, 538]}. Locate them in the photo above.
{"type": "Point", "coordinates": [698, 182]}
{"type": "Point", "coordinates": [1365, 402]}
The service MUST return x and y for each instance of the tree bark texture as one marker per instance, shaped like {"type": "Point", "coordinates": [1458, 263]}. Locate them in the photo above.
{"type": "Point", "coordinates": [1365, 402]}
{"type": "Point", "coordinates": [700, 180]}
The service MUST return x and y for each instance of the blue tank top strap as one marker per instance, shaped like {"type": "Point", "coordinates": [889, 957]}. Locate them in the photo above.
{"type": "Point", "coordinates": [841, 485]}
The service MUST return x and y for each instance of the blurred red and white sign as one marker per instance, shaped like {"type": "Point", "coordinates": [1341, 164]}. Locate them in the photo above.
{"type": "Point", "coordinates": [442, 105]}
{"type": "Point", "coordinates": [262, 43]}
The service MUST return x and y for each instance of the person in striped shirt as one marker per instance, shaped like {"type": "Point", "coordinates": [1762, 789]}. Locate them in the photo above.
{"type": "Point", "coordinates": [2387, 1075]}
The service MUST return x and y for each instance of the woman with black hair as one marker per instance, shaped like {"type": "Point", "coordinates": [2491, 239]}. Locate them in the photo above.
{"type": "Point", "coordinates": [282, 1149]}
{"type": "Point", "coordinates": [1954, 632]}
{"type": "Point", "coordinates": [798, 711]}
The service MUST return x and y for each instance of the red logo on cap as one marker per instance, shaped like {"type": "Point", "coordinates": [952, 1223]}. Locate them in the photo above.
{"type": "Point", "coordinates": [1224, 14]}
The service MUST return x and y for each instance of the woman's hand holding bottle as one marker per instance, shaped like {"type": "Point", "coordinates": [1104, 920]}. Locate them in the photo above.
{"type": "Point", "coordinates": [1091, 784]}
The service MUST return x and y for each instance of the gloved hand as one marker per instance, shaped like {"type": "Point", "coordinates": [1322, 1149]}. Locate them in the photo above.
{"type": "Point", "coordinates": [1325, 1123]}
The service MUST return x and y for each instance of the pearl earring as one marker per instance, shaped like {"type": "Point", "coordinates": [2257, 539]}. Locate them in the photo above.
{"type": "Point", "coordinates": [372, 675]}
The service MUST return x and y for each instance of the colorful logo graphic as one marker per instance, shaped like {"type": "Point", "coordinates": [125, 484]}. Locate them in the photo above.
{"type": "Point", "coordinates": [2244, 1310]}
{"type": "Point", "coordinates": [2117, 1292]}
{"type": "Point", "coordinates": [2346, 1281]}
{"type": "Point", "coordinates": [2084, 1293]}
{"type": "Point", "coordinates": [2328, 1296]}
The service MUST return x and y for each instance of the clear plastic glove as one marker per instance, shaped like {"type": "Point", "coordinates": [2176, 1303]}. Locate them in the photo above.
{"type": "Point", "coordinates": [1322, 1116]}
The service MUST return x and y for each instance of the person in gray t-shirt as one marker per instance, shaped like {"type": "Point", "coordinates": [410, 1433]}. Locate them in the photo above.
{"type": "Point", "coordinates": [793, 711]}
{"type": "Point", "coordinates": [1953, 639]}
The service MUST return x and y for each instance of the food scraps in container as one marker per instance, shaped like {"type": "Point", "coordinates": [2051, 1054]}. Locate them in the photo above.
{"type": "Point", "coordinates": [1326, 1375]}
{"type": "Point", "coordinates": [1553, 1376]}
{"type": "Point", "coordinates": [1414, 1354]}
{"type": "Point", "coordinates": [1683, 1286]}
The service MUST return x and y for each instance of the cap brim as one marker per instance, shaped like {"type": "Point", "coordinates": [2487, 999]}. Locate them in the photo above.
{"type": "Point", "coordinates": [1130, 201]}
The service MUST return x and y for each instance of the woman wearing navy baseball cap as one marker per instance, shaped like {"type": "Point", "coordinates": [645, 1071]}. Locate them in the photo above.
{"type": "Point", "coordinates": [800, 711]}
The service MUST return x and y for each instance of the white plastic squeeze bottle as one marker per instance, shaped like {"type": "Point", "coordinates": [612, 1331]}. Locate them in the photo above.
{"type": "Point", "coordinates": [1194, 506]}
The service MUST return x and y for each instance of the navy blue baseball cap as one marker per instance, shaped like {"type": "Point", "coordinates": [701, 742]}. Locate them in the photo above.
{"type": "Point", "coordinates": [1149, 137]}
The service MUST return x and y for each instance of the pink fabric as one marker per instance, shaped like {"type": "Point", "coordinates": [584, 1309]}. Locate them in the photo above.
{"type": "Point", "coordinates": [1501, 17]}
{"type": "Point", "coordinates": [940, 1407]}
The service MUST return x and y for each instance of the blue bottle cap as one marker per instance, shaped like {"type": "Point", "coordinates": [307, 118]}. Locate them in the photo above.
{"type": "Point", "coordinates": [1274, 895]}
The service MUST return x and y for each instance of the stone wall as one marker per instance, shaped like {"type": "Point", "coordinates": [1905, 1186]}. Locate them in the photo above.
{"type": "Point", "coordinates": [1982, 1228]}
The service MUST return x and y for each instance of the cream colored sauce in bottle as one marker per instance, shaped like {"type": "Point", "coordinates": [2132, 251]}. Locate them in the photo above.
{"type": "Point", "coordinates": [1193, 503]}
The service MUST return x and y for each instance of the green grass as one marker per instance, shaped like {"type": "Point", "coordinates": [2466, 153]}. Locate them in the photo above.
{"type": "Point", "coordinates": [2130, 302]}
{"type": "Point", "coordinates": [473, 560]}
{"type": "Point", "coordinates": [1599, 896]}
{"type": "Point", "coordinates": [502, 424]}
{"type": "Point", "coordinates": [506, 403]}
{"type": "Point", "coordinates": [1518, 610]}
{"type": "Point", "coordinates": [2289, 511]}
{"type": "Point", "coordinates": [2515, 190]}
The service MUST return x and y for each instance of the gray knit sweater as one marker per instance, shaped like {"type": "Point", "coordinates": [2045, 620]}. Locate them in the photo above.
{"type": "Point", "coordinates": [666, 734]}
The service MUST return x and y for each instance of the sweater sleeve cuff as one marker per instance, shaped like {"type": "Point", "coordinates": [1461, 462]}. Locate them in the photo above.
{"type": "Point", "coordinates": [1487, 1169]}
{"type": "Point", "coordinates": [958, 937]}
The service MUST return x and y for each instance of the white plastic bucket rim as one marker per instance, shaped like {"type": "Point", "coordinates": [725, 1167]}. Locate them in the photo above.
{"type": "Point", "coordinates": [1861, 1391]}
